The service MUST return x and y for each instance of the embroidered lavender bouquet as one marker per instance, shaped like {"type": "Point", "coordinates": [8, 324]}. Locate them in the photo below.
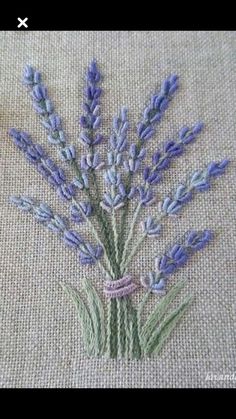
{"type": "Point", "coordinates": [116, 327]}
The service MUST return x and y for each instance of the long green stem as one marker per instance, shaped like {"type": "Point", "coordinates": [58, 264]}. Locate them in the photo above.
{"type": "Point", "coordinates": [132, 253]}
{"type": "Point", "coordinates": [136, 247]}
{"type": "Point", "coordinates": [109, 269]}
{"type": "Point", "coordinates": [130, 235]}
{"type": "Point", "coordinates": [115, 233]}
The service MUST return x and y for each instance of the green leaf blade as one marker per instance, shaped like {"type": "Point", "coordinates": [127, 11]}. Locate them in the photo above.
{"type": "Point", "coordinates": [161, 334]}
{"type": "Point", "coordinates": [159, 311]}
{"type": "Point", "coordinates": [84, 317]}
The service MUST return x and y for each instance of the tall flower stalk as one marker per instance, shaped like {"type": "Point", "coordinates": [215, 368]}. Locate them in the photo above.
{"type": "Point", "coordinates": [118, 329]}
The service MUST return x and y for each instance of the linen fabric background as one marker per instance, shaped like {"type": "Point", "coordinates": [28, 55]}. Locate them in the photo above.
{"type": "Point", "coordinates": [41, 343]}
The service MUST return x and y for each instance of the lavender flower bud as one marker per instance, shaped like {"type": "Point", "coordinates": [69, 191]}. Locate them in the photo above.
{"type": "Point", "coordinates": [90, 254]}
{"type": "Point", "coordinates": [30, 76]}
{"type": "Point", "coordinates": [150, 227]}
{"type": "Point", "coordinates": [39, 93]}
{"type": "Point", "coordinates": [112, 177]}
{"type": "Point", "coordinates": [197, 240]}
{"type": "Point", "coordinates": [151, 177]}
{"type": "Point", "coordinates": [154, 282]}
{"type": "Point", "coordinates": [145, 196]}
{"type": "Point", "coordinates": [91, 161]}
{"type": "Point", "coordinates": [22, 202]}
{"type": "Point", "coordinates": [66, 192]}
{"type": "Point", "coordinates": [111, 202]}
{"type": "Point", "coordinates": [43, 213]}
{"type": "Point", "coordinates": [72, 238]}
{"type": "Point", "coordinates": [67, 153]}
{"type": "Point", "coordinates": [57, 224]}
{"type": "Point", "coordinates": [81, 182]}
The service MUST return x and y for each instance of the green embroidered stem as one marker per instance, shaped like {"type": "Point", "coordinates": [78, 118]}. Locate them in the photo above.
{"type": "Point", "coordinates": [109, 270]}
{"type": "Point", "coordinates": [136, 353]}
{"type": "Point", "coordinates": [136, 247]}
{"type": "Point", "coordinates": [124, 215]}
{"type": "Point", "coordinates": [121, 332]}
{"type": "Point", "coordinates": [130, 235]}
{"type": "Point", "coordinates": [126, 327]}
{"type": "Point", "coordinates": [115, 234]}
{"type": "Point", "coordinates": [126, 208]}
{"type": "Point", "coordinates": [103, 223]}
{"type": "Point", "coordinates": [132, 253]}
{"type": "Point", "coordinates": [111, 329]}
{"type": "Point", "coordinates": [102, 218]}
{"type": "Point", "coordinates": [140, 311]}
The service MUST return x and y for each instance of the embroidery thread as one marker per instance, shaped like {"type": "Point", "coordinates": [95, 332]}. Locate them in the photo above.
{"type": "Point", "coordinates": [117, 329]}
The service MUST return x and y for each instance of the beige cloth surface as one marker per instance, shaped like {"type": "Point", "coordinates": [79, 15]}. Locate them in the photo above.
{"type": "Point", "coordinates": [41, 344]}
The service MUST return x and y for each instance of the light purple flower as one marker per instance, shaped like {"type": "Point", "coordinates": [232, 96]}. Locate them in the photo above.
{"type": "Point", "coordinates": [150, 227]}
{"type": "Point", "coordinates": [91, 161]}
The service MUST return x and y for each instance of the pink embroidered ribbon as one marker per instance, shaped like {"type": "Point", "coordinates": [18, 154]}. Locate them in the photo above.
{"type": "Point", "coordinates": [119, 288]}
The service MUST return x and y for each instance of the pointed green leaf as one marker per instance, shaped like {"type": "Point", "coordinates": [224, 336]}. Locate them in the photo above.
{"type": "Point", "coordinates": [161, 334]}
{"type": "Point", "coordinates": [159, 311]}
{"type": "Point", "coordinates": [97, 315]}
{"type": "Point", "coordinates": [84, 317]}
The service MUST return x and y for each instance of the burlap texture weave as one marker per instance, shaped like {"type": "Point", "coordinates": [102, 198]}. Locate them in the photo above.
{"type": "Point", "coordinates": [41, 344]}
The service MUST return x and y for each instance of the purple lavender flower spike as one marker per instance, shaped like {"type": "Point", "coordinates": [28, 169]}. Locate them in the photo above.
{"type": "Point", "coordinates": [154, 111]}
{"type": "Point", "coordinates": [36, 155]}
{"type": "Point", "coordinates": [44, 107]}
{"type": "Point", "coordinates": [199, 181]}
{"type": "Point", "coordinates": [174, 259]}
{"type": "Point", "coordinates": [118, 139]}
{"type": "Point", "coordinates": [162, 158]}
{"type": "Point", "coordinates": [88, 254]}
{"type": "Point", "coordinates": [91, 120]}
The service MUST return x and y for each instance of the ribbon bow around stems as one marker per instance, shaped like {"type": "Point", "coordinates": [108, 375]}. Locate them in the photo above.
{"type": "Point", "coordinates": [120, 288]}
